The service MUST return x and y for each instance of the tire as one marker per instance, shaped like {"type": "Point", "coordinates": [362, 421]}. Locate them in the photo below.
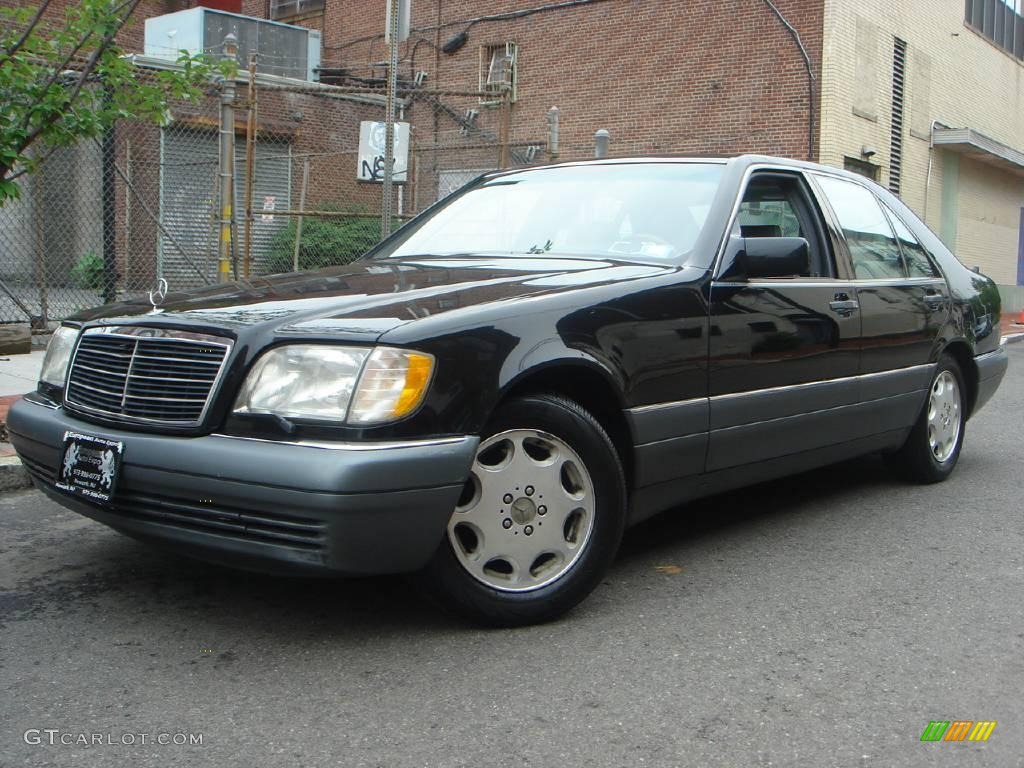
{"type": "Point", "coordinates": [497, 564]}
{"type": "Point", "coordinates": [933, 447]}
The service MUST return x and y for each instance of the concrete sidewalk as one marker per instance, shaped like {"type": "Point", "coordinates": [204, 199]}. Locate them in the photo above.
{"type": "Point", "coordinates": [19, 373]}
{"type": "Point", "coordinates": [1011, 330]}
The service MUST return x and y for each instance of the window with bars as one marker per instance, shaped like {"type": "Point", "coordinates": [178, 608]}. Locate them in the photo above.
{"type": "Point", "coordinates": [899, 73]}
{"type": "Point", "coordinates": [286, 9]}
{"type": "Point", "coordinates": [1001, 21]}
{"type": "Point", "coordinates": [498, 71]}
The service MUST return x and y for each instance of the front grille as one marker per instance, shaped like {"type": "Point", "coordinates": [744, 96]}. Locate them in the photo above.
{"type": "Point", "coordinates": [146, 375]}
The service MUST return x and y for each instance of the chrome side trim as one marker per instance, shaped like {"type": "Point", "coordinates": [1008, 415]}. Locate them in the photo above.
{"type": "Point", "coordinates": [380, 445]}
{"type": "Point", "coordinates": [33, 397]}
{"type": "Point", "coordinates": [788, 387]}
{"type": "Point", "coordinates": [810, 384]}
{"type": "Point", "coordinates": [832, 282]}
{"type": "Point", "coordinates": [897, 281]}
{"type": "Point", "coordinates": [669, 404]}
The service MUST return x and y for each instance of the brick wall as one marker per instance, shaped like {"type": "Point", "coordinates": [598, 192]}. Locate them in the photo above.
{"type": "Point", "coordinates": [694, 76]}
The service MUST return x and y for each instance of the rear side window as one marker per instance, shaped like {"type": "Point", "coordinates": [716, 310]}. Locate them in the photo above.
{"type": "Point", "coordinates": [914, 254]}
{"type": "Point", "coordinates": [873, 248]}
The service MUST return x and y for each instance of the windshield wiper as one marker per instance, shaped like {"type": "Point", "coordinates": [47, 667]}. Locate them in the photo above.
{"type": "Point", "coordinates": [541, 249]}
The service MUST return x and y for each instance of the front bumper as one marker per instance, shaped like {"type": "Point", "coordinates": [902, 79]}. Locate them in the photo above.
{"type": "Point", "coordinates": [338, 508]}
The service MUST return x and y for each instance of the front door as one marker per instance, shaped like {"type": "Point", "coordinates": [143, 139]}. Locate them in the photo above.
{"type": "Point", "coordinates": [783, 351]}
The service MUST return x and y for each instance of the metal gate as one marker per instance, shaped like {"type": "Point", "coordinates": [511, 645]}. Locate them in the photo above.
{"type": "Point", "coordinates": [189, 207]}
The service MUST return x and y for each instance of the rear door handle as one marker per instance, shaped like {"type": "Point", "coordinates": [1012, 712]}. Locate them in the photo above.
{"type": "Point", "coordinates": [934, 300]}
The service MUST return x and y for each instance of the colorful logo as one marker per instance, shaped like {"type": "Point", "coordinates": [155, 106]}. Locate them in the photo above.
{"type": "Point", "coordinates": [958, 730]}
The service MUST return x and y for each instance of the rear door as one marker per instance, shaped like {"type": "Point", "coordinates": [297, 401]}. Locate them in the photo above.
{"type": "Point", "coordinates": [783, 351]}
{"type": "Point", "coordinates": [903, 298]}
{"type": "Point", "coordinates": [904, 301]}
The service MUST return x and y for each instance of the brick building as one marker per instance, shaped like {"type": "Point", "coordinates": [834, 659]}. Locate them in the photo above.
{"type": "Point", "coordinates": [926, 96]}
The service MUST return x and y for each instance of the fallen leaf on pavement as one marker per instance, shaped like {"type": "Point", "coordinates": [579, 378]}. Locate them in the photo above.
{"type": "Point", "coordinates": [669, 570]}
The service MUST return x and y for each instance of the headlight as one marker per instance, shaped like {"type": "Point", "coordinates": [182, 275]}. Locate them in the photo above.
{"type": "Point", "coordinates": [302, 381]}
{"type": "Point", "coordinates": [58, 354]}
{"type": "Point", "coordinates": [316, 381]}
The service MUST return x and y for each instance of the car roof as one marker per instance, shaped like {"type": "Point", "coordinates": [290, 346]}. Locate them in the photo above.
{"type": "Point", "coordinates": [741, 162]}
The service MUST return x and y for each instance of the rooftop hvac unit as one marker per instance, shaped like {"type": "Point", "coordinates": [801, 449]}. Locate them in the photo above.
{"type": "Point", "coordinates": [282, 49]}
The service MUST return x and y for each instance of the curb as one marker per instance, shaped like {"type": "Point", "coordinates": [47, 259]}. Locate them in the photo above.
{"type": "Point", "coordinates": [13, 476]}
{"type": "Point", "coordinates": [1013, 338]}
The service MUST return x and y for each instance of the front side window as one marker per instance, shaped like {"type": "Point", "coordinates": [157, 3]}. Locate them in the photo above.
{"type": "Point", "coordinates": [873, 248]}
{"type": "Point", "coordinates": [777, 205]}
{"type": "Point", "coordinates": [648, 212]}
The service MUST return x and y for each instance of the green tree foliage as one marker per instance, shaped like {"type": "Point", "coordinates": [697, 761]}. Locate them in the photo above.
{"type": "Point", "coordinates": [325, 242]}
{"type": "Point", "coordinates": [89, 272]}
{"type": "Point", "coordinates": [63, 78]}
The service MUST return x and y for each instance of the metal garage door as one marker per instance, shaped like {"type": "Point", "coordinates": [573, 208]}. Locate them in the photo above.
{"type": "Point", "coordinates": [189, 209]}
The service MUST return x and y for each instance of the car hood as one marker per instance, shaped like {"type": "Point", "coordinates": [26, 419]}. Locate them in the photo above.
{"type": "Point", "coordinates": [368, 298]}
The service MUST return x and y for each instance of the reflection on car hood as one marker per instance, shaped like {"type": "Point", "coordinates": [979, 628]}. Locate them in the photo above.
{"type": "Point", "coordinates": [368, 298]}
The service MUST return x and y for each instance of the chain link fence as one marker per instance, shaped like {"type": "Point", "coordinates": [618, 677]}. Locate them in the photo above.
{"type": "Point", "coordinates": [104, 220]}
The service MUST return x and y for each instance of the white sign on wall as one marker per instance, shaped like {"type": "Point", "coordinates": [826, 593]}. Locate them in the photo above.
{"type": "Point", "coordinates": [371, 151]}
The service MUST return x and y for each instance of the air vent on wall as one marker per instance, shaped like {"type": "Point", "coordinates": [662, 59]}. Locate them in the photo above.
{"type": "Point", "coordinates": [899, 68]}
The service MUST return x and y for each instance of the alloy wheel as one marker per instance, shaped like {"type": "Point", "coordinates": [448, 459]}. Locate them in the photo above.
{"type": "Point", "coordinates": [944, 416]}
{"type": "Point", "coordinates": [526, 513]}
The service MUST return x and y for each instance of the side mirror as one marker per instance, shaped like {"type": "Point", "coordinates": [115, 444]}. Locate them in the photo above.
{"type": "Point", "coordinates": [775, 256]}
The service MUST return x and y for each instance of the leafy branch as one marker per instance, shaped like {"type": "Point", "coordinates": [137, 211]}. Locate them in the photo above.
{"type": "Point", "coordinates": [64, 78]}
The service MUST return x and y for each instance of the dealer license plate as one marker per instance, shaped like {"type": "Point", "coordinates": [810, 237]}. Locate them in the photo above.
{"type": "Point", "coordinates": [89, 466]}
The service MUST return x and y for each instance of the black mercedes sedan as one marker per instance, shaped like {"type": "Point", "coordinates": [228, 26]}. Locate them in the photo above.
{"type": "Point", "coordinates": [492, 394]}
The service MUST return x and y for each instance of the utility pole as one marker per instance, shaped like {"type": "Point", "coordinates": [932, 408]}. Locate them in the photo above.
{"type": "Point", "coordinates": [504, 128]}
{"type": "Point", "coordinates": [397, 30]}
{"type": "Point", "coordinates": [109, 152]}
{"type": "Point", "coordinates": [250, 165]}
{"type": "Point", "coordinates": [227, 164]}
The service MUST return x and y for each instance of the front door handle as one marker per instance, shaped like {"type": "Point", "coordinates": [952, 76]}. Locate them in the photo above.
{"type": "Point", "coordinates": [843, 305]}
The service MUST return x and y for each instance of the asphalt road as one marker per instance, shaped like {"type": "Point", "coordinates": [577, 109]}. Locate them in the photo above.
{"type": "Point", "coordinates": [822, 620]}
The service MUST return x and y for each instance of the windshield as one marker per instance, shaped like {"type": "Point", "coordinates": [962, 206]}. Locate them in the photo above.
{"type": "Point", "coordinates": [634, 211]}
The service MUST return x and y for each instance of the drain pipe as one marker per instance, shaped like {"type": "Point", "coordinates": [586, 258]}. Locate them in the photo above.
{"type": "Point", "coordinates": [928, 176]}
{"type": "Point", "coordinates": [810, 76]}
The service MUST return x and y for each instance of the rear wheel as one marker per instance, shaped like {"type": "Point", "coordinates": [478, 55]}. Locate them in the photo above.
{"type": "Point", "coordinates": [934, 444]}
{"type": "Point", "coordinates": [540, 518]}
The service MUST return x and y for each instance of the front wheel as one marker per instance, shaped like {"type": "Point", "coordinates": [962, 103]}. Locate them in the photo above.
{"type": "Point", "coordinates": [540, 518]}
{"type": "Point", "coordinates": [934, 444]}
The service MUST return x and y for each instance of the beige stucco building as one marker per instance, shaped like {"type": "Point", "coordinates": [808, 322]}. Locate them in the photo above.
{"type": "Point", "coordinates": [927, 96]}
